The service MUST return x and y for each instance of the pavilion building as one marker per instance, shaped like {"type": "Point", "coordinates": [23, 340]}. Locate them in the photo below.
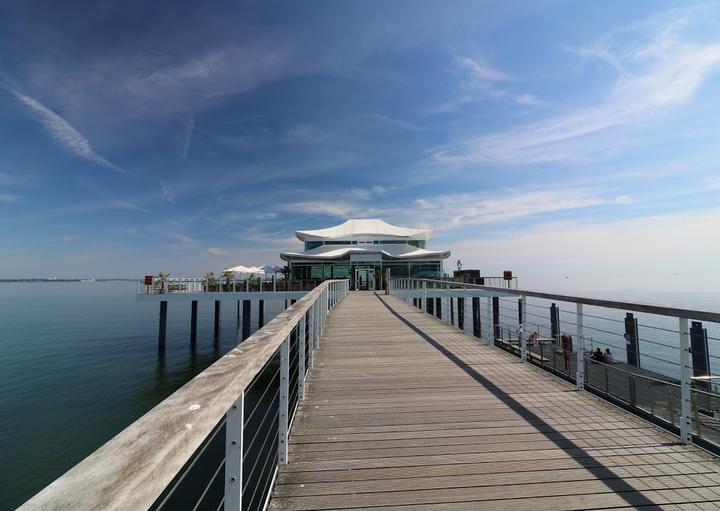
{"type": "Point", "coordinates": [362, 251]}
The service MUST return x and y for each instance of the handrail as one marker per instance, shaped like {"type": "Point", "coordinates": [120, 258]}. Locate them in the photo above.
{"type": "Point", "coordinates": [133, 469]}
{"type": "Point", "coordinates": [442, 298]}
{"type": "Point", "coordinates": [662, 310]}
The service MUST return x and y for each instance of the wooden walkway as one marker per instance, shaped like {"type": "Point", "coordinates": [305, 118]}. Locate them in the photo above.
{"type": "Point", "coordinates": [405, 412]}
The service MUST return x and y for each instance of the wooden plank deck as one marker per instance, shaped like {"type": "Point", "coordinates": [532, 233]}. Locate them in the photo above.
{"type": "Point", "coordinates": [405, 412]}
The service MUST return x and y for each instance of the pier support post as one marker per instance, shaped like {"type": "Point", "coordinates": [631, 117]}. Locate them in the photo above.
{"type": "Point", "coordinates": [261, 314]}
{"type": "Point", "coordinates": [284, 401]}
{"type": "Point", "coordinates": [490, 329]}
{"type": "Point", "coordinates": [700, 355]}
{"type": "Point", "coordinates": [580, 347]}
{"type": "Point", "coordinates": [495, 318]}
{"type": "Point", "coordinates": [476, 323]}
{"type": "Point", "coordinates": [238, 310]}
{"type": "Point", "coordinates": [193, 321]}
{"type": "Point", "coordinates": [234, 455]}
{"type": "Point", "coordinates": [685, 383]}
{"type": "Point", "coordinates": [461, 312]}
{"type": "Point", "coordinates": [163, 325]}
{"type": "Point", "coordinates": [522, 305]}
{"type": "Point", "coordinates": [217, 316]}
{"type": "Point", "coordinates": [555, 323]}
{"type": "Point", "coordinates": [246, 319]}
{"type": "Point", "coordinates": [632, 338]}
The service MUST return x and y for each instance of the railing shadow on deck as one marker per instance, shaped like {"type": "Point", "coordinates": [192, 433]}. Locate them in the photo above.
{"type": "Point", "coordinates": [680, 392]}
{"type": "Point", "coordinates": [217, 442]}
{"type": "Point", "coordinates": [615, 482]}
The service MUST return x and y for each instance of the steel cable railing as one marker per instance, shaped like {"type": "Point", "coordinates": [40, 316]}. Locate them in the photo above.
{"type": "Point", "coordinates": [217, 442]}
{"type": "Point", "coordinates": [640, 362]}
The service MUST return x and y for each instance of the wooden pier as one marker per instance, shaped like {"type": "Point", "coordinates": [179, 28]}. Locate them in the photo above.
{"type": "Point", "coordinates": [403, 411]}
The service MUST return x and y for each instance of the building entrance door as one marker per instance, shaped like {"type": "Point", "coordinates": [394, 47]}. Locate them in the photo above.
{"type": "Point", "coordinates": [361, 279]}
{"type": "Point", "coordinates": [365, 279]}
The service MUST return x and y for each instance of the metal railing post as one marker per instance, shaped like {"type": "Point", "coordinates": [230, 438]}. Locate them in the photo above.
{"type": "Point", "coordinates": [234, 455]}
{"type": "Point", "coordinates": [284, 399]}
{"type": "Point", "coordinates": [316, 328]}
{"type": "Point", "coordinates": [453, 312]}
{"type": "Point", "coordinates": [424, 296]}
{"type": "Point", "coordinates": [311, 338]}
{"type": "Point", "coordinates": [685, 383]}
{"type": "Point", "coordinates": [580, 360]}
{"type": "Point", "coordinates": [468, 315]}
{"type": "Point", "coordinates": [491, 328]}
{"type": "Point", "coordinates": [301, 358]}
{"type": "Point", "coordinates": [521, 334]}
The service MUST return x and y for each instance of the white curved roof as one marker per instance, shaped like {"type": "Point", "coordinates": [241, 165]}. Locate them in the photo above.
{"type": "Point", "coordinates": [369, 227]}
{"type": "Point", "coordinates": [392, 251]}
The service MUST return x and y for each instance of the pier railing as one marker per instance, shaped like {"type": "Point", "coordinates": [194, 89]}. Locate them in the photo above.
{"type": "Point", "coordinates": [194, 285]}
{"type": "Point", "coordinates": [664, 362]}
{"type": "Point", "coordinates": [217, 442]}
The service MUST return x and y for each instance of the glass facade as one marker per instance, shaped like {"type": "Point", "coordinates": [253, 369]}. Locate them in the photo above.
{"type": "Point", "coordinates": [345, 269]}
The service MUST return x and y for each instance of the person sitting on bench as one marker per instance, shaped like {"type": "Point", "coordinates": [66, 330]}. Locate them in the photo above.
{"type": "Point", "coordinates": [608, 357]}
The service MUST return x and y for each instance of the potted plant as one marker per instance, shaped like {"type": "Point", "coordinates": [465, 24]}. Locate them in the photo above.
{"type": "Point", "coordinates": [209, 281]}
{"type": "Point", "coordinates": [228, 276]}
{"type": "Point", "coordinates": [161, 280]}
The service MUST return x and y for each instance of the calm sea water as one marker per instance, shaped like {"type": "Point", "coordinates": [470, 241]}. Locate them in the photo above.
{"type": "Point", "coordinates": [79, 362]}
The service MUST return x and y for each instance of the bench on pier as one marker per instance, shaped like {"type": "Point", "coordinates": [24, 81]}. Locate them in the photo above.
{"type": "Point", "coordinates": [513, 346]}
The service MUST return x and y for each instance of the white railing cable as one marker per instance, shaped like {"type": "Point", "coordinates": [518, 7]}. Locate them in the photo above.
{"type": "Point", "coordinates": [139, 464]}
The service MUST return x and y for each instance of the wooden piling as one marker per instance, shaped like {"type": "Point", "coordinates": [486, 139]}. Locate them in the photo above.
{"type": "Point", "coordinates": [477, 325]}
{"type": "Point", "coordinates": [217, 316]}
{"type": "Point", "coordinates": [496, 317]}
{"type": "Point", "coordinates": [163, 325]}
{"type": "Point", "coordinates": [245, 319]}
{"type": "Point", "coordinates": [193, 321]}
{"type": "Point", "coordinates": [261, 313]}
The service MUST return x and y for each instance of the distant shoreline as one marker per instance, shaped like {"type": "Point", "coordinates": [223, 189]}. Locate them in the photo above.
{"type": "Point", "coordinates": [70, 280]}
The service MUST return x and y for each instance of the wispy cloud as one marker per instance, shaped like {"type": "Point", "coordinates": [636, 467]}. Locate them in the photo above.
{"type": "Point", "coordinates": [452, 211]}
{"type": "Point", "coordinates": [9, 198]}
{"type": "Point", "coordinates": [103, 205]}
{"type": "Point", "coordinates": [178, 236]}
{"type": "Point", "coordinates": [391, 121]}
{"type": "Point", "coordinates": [663, 70]}
{"type": "Point", "coordinates": [122, 204]}
{"type": "Point", "coordinates": [216, 251]}
{"type": "Point", "coordinates": [15, 180]}
{"type": "Point", "coordinates": [187, 141]}
{"type": "Point", "coordinates": [530, 100]}
{"type": "Point", "coordinates": [617, 254]}
{"type": "Point", "coordinates": [478, 71]}
{"type": "Point", "coordinates": [63, 133]}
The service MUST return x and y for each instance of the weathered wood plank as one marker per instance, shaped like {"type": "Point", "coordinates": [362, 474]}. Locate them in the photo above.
{"type": "Point", "coordinates": [404, 411]}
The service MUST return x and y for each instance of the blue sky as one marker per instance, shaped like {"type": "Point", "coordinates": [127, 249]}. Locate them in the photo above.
{"type": "Point", "coordinates": [553, 138]}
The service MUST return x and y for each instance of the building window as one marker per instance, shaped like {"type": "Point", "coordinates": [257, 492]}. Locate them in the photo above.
{"type": "Point", "coordinates": [309, 245]}
{"type": "Point", "coordinates": [417, 243]}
